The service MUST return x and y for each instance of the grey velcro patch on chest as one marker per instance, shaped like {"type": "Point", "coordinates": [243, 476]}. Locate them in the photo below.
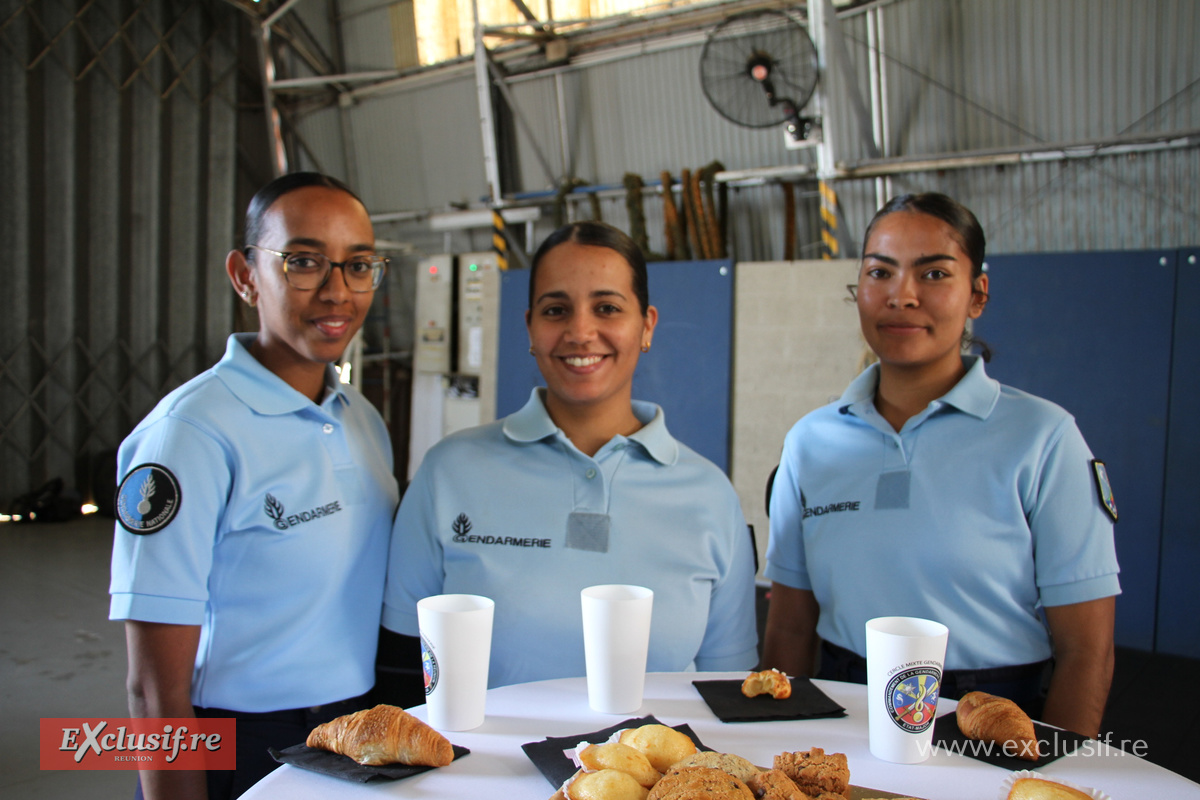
{"type": "Point", "coordinates": [587, 531]}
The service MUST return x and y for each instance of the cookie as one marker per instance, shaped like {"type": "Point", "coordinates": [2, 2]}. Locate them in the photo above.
{"type": "Point", "coordinates": [816, 772]}
{"type": "Point", "coordinates": [700, 783]}
{"type": "Point", "coordinates": [774, 784]}
{"type": "Point", "coordinates": [736, 766]}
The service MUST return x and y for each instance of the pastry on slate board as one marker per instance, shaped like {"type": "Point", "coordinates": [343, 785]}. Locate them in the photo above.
{"type": "Point", "coordinates": [989, 718]}
{"type": "Point", "coordinates": [383, 735]}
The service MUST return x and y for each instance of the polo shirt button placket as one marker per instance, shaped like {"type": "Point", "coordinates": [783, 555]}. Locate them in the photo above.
{"type": "Point", "coordinates": [327, 428]}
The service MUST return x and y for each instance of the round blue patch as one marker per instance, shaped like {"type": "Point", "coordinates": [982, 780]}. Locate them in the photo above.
{"type": "Point", "coordinates": [429, 666]}
{"type": "Point", "coordinates": [147, 499]}
{"type": "Point", "coordinates": [912, 697]}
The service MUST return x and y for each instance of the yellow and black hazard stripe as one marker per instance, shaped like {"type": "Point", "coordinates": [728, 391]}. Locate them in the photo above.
{"type": "Point", "coordinates": [830, 248]}
{"type": "Point", "coordinates": [499, 240]}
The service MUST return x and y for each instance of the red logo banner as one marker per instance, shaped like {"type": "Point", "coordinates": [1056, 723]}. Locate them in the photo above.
{"type": "Point", "coordinates": [86, 743]}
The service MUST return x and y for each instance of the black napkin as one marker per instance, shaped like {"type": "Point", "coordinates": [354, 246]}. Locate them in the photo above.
{"type": "Point", "coordinates": [547, 755]}
{"type": "Point", "coordinates": [1053, 744]}
{"type": "Point", "coordinates": [346, 768]}
{"type": "Point", "coordinates": [726, 700]}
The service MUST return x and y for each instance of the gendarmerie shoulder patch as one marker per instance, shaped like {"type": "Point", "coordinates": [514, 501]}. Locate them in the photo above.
{"type": "Point", "coordinates": [1104, 488]}
{"type": "Point", "coordinates": [147, 499]}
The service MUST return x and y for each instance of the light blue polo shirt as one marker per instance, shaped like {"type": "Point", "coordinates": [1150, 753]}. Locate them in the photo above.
{"type": "Point", "coordinates": [515, 512]}
{"type": "Point", "coordinates": [264, 518]}
{"type": "Point", "coordinates": [983, 508]}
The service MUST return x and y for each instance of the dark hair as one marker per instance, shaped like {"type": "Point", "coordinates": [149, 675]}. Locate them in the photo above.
{"type": "Point", "coordinates": [967, 229]}
{"type": "Point", "coordinates": [598, 234]}
{"type": "Point", "coordinates": [267, 195]}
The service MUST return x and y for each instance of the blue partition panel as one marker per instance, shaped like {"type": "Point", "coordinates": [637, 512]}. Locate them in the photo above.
{"type": "Point", "coordinates": [1178, 596]}
{"type": "Point", "coordinates": [688, 369]}
{"type": "Point", "coordinates": [1093, 332]}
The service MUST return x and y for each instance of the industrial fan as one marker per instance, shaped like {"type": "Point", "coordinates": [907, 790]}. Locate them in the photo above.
{"type": "Point", "coordinates": [759, 69]}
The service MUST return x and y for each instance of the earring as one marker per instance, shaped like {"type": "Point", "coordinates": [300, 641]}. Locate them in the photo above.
{"type": "Point", "coordinates": [531, 350]}
{"type": "Point", "coordinates": [645, 347]}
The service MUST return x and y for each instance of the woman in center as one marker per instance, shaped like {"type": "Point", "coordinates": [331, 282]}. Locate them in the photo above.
{"type": "Point", "coordinates": [582, 486]}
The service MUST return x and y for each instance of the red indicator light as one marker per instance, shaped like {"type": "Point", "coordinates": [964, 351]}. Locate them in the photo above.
{"type": "Point", "coordinates": [433, 270]}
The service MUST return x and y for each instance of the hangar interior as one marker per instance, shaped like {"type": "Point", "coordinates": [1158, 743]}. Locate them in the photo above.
{"type": "Point", "coordinates": [136, 130]}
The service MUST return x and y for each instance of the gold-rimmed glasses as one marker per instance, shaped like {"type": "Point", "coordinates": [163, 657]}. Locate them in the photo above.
{"type": "Point", "coordinates": [308, 271]}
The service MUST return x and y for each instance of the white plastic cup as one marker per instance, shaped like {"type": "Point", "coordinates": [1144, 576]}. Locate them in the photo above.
{"type": "Point", "coordinates": [905, 657]}
{"type": "Point", "coordinates": [616, 639]}
{"type": "Point", "coordinates": [456, 646]}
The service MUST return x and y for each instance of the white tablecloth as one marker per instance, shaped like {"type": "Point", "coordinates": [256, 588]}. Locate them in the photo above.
{"type": "Point", "coordinates": [498, 768]}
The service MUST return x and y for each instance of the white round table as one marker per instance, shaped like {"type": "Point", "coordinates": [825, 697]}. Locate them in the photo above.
{"type": "Point", "coordinates": [498, 768]}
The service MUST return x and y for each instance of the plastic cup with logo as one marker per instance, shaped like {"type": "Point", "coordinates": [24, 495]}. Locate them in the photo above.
{"type": "Point", "coordinates": [616, 640]}
{"type": "Point", "coordinates": [905, 656]}
{"type": "Point", "coordinates": [456, 646]}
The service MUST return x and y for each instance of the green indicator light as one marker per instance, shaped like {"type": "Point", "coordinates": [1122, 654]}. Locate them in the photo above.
{"type": "Point", "coordinates": [474, 267]}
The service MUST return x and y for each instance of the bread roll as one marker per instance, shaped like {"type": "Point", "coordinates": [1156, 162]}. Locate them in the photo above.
{"type": "Point", "coordinates": [606, 784]}
{"type": "Point", "coordinates": [1038, 789]}
{"type": "Point", "coordinates": [622, 758]}
{"type": "Point", "coordinates": [663, 746]}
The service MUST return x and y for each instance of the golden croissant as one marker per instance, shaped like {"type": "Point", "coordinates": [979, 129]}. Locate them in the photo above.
{"type": "Point", "coordinates": [989, 718]}
{"type": "Point", "coordinates": [383, 735]}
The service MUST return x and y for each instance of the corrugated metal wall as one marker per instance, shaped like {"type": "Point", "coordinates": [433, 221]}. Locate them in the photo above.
{"type": "Point", "coordinates": [960, 76]}
{"type": "Point", "coordinates": [117, 209]}
{"type": "Point", "coordinates": [120, 164]}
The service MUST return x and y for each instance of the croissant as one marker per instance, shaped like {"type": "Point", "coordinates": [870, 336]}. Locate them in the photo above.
{"type": "Point", "coordinates": [990, 718]}
{"type": "Point", "coordinates": [769, 681]}
{"type": "Point", "coordinates": [383, 735]}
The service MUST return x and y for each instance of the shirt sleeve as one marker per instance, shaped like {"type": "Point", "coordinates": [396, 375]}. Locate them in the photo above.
{"type": "Point", "coordinates": [416, 560]}
{"type": "Point", "coordinates": [731, 638]}
{"type": "Point", "coordinates": [1075, 556]}
{"type": "Point", "coordinates": [786, 561]}
{"type": "Point", "coordinates": [163, 576]}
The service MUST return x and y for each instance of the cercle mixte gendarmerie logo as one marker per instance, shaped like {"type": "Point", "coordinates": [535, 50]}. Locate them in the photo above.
{"type": "Point", "coordinates": [912, 696]}
{"type": "Point", "coordinates": [148, 499]}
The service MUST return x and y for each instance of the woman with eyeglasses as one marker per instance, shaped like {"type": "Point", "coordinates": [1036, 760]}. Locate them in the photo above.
{"type": "Point", "coordinates": [931, 490]}
{"type": "Point", "coordinates": [256, 503]}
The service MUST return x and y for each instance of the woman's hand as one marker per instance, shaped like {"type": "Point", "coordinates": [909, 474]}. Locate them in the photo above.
{"type": "Point", "coordinates": [161, 660]}
{"type": "Point", "coordinates": [1082, 636]}
{"type": "Point", "coordinates": [790, 643]}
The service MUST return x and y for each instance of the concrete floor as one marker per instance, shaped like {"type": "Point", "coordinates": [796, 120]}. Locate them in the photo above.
{"type": "Point", "coordinates": [59, 654]}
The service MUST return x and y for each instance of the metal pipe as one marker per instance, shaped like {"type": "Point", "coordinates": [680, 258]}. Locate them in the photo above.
{"type": "Point", "coordinates": [564, 141]}
{"type": "Point", "coordinates": [324, 80]}
{"type": "Point", "coordinates": [274, 122]}
{"type": "Point", "coordinates": [817, 30]}
{"type": "Point", "coordinates": [878, 117]}
{"type": "Point", "coordinates": [487, 126]}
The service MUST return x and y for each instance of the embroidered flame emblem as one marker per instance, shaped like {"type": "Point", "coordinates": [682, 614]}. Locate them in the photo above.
{"type": "Point", "coordinates": [461, 527]}
{"type": "Point", "coordinates": [274, 510]}
{"type": "Point", "coordinates": [146, 490]}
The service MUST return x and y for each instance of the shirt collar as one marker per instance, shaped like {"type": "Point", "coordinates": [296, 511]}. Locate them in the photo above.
{"type": "Point", "coordinates": [532, 423]}
{"type": "Point", "coordinates": [263, 390]}
{"type": "Point", "coordinates": [975, 393]}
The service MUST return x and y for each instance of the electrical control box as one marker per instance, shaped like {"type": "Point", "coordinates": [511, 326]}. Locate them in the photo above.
{"type": "Point", "coordinates": [478, 310]}
{"type": "Point", "coordinates": [455, 350]}
{"type": "Point", "coordinates": [432, 338]}
{"type": "Point", "coordinates": [479, 325]}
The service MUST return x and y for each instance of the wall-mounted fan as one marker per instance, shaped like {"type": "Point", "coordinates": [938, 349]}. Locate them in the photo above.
{"type": "Point", "coordinates": [759, 69]}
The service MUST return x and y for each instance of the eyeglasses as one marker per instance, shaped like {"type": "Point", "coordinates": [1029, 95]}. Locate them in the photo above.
{"type": "Point", "coordinates": [308, 271]}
